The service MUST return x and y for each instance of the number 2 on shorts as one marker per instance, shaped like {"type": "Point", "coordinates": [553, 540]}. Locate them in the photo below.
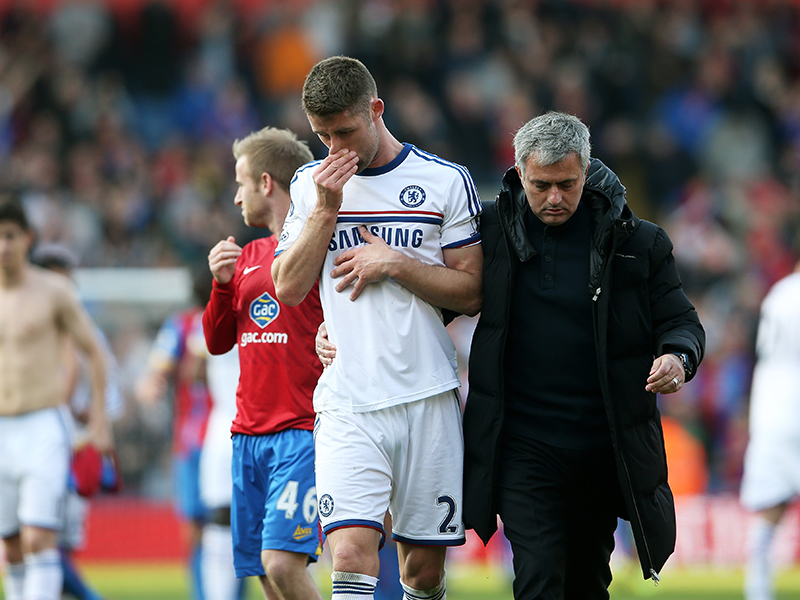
{"type": "Point", "coordinates": [445, 526]}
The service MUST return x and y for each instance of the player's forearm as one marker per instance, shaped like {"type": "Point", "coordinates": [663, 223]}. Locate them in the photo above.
{"type": "Point", "coordinates": [99, 428]}
{"type": "Point", "coordinates": [219, 320]}
{"type": "Point", "coordinates": [445, 287]}
{"type": "Point", "coordinates": [296, 269]}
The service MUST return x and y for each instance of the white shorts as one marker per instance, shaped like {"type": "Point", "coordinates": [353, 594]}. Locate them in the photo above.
{"type": "Point", "coordinates": [407, 459]}
{"type": "Point", "coordinates": [771, 472]}
{"type": "Point", "coordinates": [216, 483]}
{"type": "Point", "coordinates": [34, 466]}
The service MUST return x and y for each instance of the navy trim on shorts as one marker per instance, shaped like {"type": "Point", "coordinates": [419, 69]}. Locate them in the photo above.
{"type": "Point", "coordinates": [412, 542]}
{"type": "Point", "coordinates": [357, 523]}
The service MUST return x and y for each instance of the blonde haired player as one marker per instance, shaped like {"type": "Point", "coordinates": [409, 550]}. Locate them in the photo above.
{"type": "Point", "coordinates": [273, 512]}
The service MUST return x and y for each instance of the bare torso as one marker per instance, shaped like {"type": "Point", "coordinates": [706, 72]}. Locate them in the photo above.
{"type": "Point", "coordinates": [34, 322]}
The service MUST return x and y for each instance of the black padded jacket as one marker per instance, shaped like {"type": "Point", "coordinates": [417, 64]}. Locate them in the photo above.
{"type": "Point", "coordinates": [639, 312]}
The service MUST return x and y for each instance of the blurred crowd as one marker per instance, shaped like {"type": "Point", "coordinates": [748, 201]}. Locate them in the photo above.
{"type": "Point", "coordinates": [117, 119]}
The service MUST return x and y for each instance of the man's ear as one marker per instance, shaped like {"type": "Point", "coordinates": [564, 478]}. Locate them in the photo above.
{"type": "Point", "coordinates": [376, 108]}
{"type": "Point", "coordinates": [265, 184]}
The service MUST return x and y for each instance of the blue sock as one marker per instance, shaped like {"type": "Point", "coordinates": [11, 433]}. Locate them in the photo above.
{"type": "Point", "coordinates": [195, 566]}
{"type": "Point", "coordinates": [73, 583]}
{"type": "Point", "coordinates": [389, 587]}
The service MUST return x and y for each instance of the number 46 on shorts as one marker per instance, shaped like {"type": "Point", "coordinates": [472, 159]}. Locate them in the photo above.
{"type": "Point", "coordinates": [287, 501]}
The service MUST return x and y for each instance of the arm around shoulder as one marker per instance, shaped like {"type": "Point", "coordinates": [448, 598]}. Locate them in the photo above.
{"type": "Point", "coordinates": [456, 287]}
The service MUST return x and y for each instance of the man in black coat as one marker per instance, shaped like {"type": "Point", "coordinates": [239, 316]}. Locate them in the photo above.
{"type": "Point", "coordinates": [583, 322]}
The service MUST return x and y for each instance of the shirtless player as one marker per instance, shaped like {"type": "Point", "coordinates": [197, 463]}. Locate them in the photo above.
{"type": "Point", "coordinates": [39, 310]}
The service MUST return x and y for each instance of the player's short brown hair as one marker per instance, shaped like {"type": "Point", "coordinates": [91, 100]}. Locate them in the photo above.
{"type": "Point", "coordinates": [338, 84]}
{"type": "Point", "coordinates": [11, 210]}
{"type": "Point", "coordinates": [274, 151]}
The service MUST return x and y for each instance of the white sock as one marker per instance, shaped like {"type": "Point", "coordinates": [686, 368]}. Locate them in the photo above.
{"type": "Point", "coordinates": [437, 593]}
{"type": "Point", "coordinates": [353, 586]}
{"type": "Point", "coordinates": [219, 577]}
{"type": "Point", "coordinates": [758, 573]}
{"type": "Point", "coordinates": [14, 581]}
{"type": "Point", "coordinates": [43, 575]}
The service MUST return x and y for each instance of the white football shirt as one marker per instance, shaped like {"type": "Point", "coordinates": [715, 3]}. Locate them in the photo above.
{"type": "Point", "coordinates": [775, 395]}
{"type": "Point", "coordinates": [391, 346]}
{"type": "Point", "coordinates": [216, 482]}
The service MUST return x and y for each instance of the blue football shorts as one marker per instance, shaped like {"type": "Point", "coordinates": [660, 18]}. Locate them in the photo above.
{"type": "Point", "coordinates": [186, 471]}
{"type": "Point", "coordinates": [274, 503]}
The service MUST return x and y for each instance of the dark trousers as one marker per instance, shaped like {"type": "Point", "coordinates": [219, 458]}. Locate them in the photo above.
{"type": "Point", "coordinates": [559, 509]}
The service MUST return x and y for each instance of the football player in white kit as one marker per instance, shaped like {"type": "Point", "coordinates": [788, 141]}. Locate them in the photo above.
{"type": "Point", "coordinates": [39, 311]}
{"type": "Point", "coordinates": [216, 483]}
{"type": "Point", "coordinates": [60, 259]}
{"type": "Point", "coordinates": [771, 478]}
{"type": "Point", "coordinates": [392, 234]}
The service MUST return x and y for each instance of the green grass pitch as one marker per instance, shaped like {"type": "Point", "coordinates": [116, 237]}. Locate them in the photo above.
{"type": "Point", "coordinates": [169, 582]}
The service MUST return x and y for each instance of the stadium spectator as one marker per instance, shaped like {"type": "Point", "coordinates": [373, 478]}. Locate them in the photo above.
{"type": "Point", "coordinates": [391, 232]}
{"type": "Point", "coordinates": [273, 518]}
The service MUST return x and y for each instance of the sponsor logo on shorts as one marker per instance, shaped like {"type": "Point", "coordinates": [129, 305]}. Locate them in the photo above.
{"type": "Point", "coordinates": [326, 505]}
{"type": "Point", "coordinates": [264, 310]}
{"type": "Point", "coordinates": [302, 532]}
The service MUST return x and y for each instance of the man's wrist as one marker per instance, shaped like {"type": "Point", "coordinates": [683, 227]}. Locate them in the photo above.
{"type": "Point", "coordinates": [686, 361]}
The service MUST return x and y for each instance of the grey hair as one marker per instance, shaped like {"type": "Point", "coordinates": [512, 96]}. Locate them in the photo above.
{"type": "Point", "coordinates": [552, 137]}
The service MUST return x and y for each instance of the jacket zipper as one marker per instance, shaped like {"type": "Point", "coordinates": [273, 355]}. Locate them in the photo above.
{"type": "Point", "coordinates": [655, 577]}
{"type": "Point", "coordinates": [653, 574]}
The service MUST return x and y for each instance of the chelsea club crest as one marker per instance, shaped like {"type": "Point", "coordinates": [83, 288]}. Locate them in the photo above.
{"type": "Point", "coordinates": [412, 196]}
{"type": "Point", "coordinates": [326, 505]}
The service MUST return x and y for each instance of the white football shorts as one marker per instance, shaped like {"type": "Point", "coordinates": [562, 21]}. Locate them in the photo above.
{"type": "Point", "coordinates": [34, 466]}
{"type": "Point", "coordinates": [216, 482]}
{"type": "Point", "coordinates": [406, 458]}
{"type": "Point", "coordinates": [771, 471]}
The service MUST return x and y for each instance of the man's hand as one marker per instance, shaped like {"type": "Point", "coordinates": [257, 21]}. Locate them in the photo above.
{"type": "Point", "coordinates": [222, 260]}
{"type": "Point", "coordinates": [331, 175]}
{"type": "Point", "coordinates": [100, 434]}
{"type": "Point", "coordinates": [326, 351]}
{"type": "Point", "coordinates": [365, 264]}
{"type": "Point", "coordinates": [666, 375]}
